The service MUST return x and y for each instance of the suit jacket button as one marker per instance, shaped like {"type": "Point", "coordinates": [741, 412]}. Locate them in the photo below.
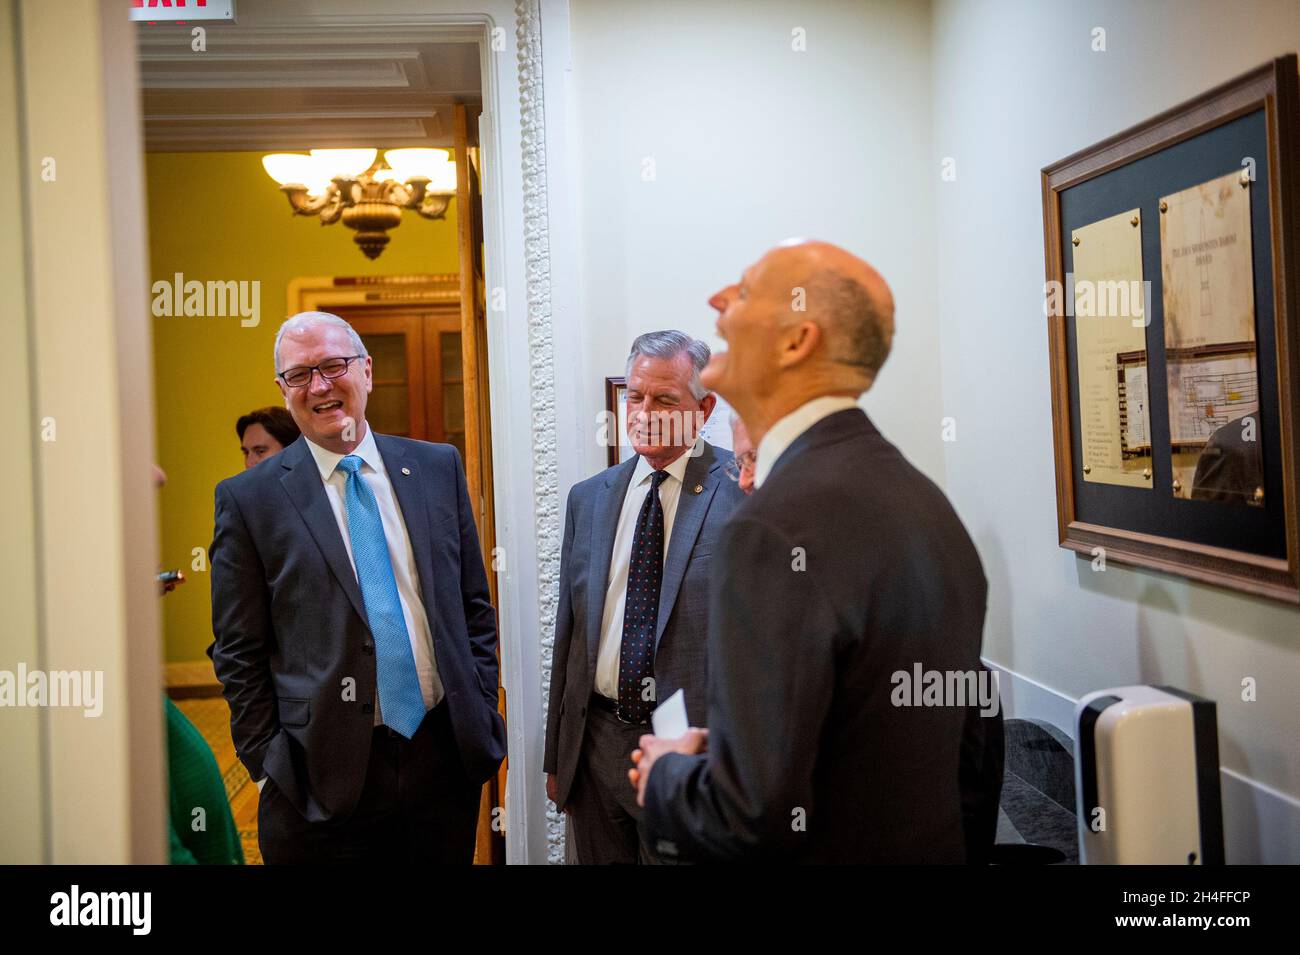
{"type": "Point", "coordinates": [367, 707]}
{"type": "Point", "coordinates": [368, 648]}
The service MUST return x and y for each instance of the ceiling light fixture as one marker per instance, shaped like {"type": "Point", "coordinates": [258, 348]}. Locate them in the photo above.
{"type": "Point", "coordinates": [367, 194]}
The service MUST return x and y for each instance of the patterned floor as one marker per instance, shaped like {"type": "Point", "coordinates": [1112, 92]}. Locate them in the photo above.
{"type": "Point", "coordinates": [212, 717]}
{"type": "Point", "coordinates": [193, 687]}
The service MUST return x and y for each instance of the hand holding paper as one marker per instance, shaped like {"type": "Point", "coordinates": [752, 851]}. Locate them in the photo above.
{"type": "Point", "coordinates": [669, 719]}
{"type": "Point", "coordinates": [673, 734]}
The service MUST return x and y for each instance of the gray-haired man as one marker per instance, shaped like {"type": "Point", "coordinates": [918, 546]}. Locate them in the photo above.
{"type": "Point", "coordinates": [355, 638]}
{"type": "Point", "coordinates": [631, 625]}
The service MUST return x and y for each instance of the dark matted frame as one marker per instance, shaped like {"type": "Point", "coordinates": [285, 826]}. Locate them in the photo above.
{"type": "Point", "coordinates": [1274, 89]}
{"type": "Point", "coordinates": [612, 388]}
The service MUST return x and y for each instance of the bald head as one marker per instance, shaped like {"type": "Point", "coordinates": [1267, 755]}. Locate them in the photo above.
{"type": "Point", "coordinates": [846, 297]}
{"type": "Point", "coordinates": [807, 319]}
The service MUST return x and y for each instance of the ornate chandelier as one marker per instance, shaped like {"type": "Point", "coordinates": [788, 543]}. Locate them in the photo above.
{"type": "Point", "coordinates": [369, 196]}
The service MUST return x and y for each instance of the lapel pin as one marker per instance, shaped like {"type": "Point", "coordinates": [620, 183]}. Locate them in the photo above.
{"type": "Point", "coordinates": [406, 470]}
{"type": "Point", "coordinates": [699, 488]}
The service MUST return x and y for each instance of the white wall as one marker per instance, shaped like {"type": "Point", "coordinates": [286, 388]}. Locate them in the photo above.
{"type": "Point", "coordinates": [1016, 86]}
{"type": "Point", "coordinates": [752, 143]}
{"type": "Point", "coordinates": [23, 788]}
{"type": "Point", "coordinates": [88, 600]}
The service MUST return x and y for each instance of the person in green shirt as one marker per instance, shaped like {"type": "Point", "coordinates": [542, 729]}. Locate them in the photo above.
{"type": "Point", "coordinates": [209, 836]}
{"type": "Point", "coordinates": [194, 783]}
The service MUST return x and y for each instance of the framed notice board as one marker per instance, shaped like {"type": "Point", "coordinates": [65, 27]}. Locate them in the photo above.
{"type": "Point", "coordinates": [1172, 304]}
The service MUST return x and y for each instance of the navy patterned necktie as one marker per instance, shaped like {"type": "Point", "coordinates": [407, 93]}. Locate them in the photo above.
{"type": "Point", "coordinates": [636, 655]}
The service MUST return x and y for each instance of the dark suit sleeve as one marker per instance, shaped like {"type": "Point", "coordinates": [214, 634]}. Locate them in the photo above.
{"type": "Point", "coordinates": [560, 649]}
{"type": "Point", "coordinates": [241, 626]}
{"type": "Point", "coordinates": [771, 679]}
{"type": "Point", "coordinates": [979, 776]}
{"type": "Point", "coordinates": [480, 615]}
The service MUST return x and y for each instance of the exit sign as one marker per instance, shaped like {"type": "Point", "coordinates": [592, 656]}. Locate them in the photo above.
{"type": "Point", "coordinates": [155, 11]}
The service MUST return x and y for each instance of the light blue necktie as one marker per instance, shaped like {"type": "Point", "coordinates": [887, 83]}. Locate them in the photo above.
{"type": "Point", "coordinates": [400, 700]}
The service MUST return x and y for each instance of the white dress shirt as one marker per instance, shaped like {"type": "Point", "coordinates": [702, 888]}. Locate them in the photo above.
{"type": "Point", "coordinates": [611, 627]}
{"type": "Point", "coordinates": [400, 553]}
{"type": "Point", "coordinates": [783, 434]}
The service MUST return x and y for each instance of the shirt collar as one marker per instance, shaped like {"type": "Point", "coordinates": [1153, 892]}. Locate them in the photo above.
{"type": "Point", "coordinates": [676, 470]}
{"type": "Point", "coordinates": [327, 461]}
{"type": "Point", "coordinates": [784, 433]}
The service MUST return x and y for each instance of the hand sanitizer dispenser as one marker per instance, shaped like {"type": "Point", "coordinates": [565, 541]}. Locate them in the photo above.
{"type": "Point", "coordinates": [1147, 778]}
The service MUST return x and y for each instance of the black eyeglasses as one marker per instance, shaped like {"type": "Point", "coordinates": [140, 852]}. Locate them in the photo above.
{"type": "Point", "coordinates": [736, 465]}
{"type": "Point", "coordinates": [330, 368]}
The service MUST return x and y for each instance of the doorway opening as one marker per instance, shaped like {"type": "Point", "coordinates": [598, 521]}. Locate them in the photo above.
{"type": "Point", "coordinates": [215, 217]}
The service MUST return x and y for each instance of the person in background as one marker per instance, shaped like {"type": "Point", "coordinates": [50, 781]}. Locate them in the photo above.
{"type": "Point", "coordinates": [1229, 469]}
{"type": "Point", "coordinates": [201, 830]}
{"type": "Point", "coordinates": [741, 467]}
{"type": "Point", "coordinates": [265, 432]}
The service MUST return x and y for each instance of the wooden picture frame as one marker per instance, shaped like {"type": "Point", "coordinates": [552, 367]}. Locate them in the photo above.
{"type": "Point", "coordinates": [1139, 165]}
{"type": "Point", "coordinates": [615, 405]}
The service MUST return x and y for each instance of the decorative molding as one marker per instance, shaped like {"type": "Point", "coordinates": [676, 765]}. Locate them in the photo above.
{"type": "Point", "coordinates": [320, 292]}
{"type": "Point", "coordinates": [328, 84]}
{"type": "Point", "coordinates": [541, 358]}
{"type": "Point", "coordinates": [364, 70]}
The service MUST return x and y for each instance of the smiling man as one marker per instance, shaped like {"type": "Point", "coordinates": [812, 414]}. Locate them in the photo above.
{"type": "Point", "coordinates": [355, 639]}
{"type": "Point", "coordinates": [634, 576]}
{"type": "Point", "coordinates": [845, 566]}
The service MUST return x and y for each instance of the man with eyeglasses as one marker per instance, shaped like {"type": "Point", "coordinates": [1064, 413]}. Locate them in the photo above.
{"type": "Point", "coordinates": [741, 467]}
{"type": "Point", "coordinates": [355, 638]}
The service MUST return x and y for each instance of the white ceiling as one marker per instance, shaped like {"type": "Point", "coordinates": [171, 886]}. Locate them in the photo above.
{"type": "Point", "coordinates": [267, 89]}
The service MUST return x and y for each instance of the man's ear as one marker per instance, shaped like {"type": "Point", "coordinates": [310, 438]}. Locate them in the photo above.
{"type": "Point", "coordinates": [707, 404]}
{"type": "Point", "coordinates": [284, 391]}
{"type": "Point", "coordinates": [799, 344]}
{"type": "Point", "coordinates": [370, 382]}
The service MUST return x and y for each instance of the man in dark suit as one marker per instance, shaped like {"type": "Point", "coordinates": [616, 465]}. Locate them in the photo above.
{"type": "Point", "coordinates": [844, 569]}
{"type": "Point", "coordinates": [355, 639]}
{"type": "Point", "coordinates": [634, 575]}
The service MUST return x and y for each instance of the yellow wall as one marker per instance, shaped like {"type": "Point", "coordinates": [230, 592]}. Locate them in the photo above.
{"type": "Point", "coordinates": [218, 216]}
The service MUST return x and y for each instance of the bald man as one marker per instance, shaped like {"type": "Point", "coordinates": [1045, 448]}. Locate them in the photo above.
{"type": "Point", "coordinates": [846, 568]}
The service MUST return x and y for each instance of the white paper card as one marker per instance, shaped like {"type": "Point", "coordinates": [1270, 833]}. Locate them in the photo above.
{"type": "Point", "coordinates": [669, 719]}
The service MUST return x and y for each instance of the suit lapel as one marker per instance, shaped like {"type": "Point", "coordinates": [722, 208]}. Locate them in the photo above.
{"type": "Point", "coordinates": [405, 477]}
{"type": "Point", "coordinates": [604, 525]}
{"type": "Point", "coordinates": [302, 482]}
{"type": "Point", "coordinates": [701, 471]}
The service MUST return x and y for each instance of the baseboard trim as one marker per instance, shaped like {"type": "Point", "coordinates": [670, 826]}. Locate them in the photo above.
{"type": "Point", "coordinates": [1024, 698]}
{"type": "Point", "coordinates": [1261, 825]}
